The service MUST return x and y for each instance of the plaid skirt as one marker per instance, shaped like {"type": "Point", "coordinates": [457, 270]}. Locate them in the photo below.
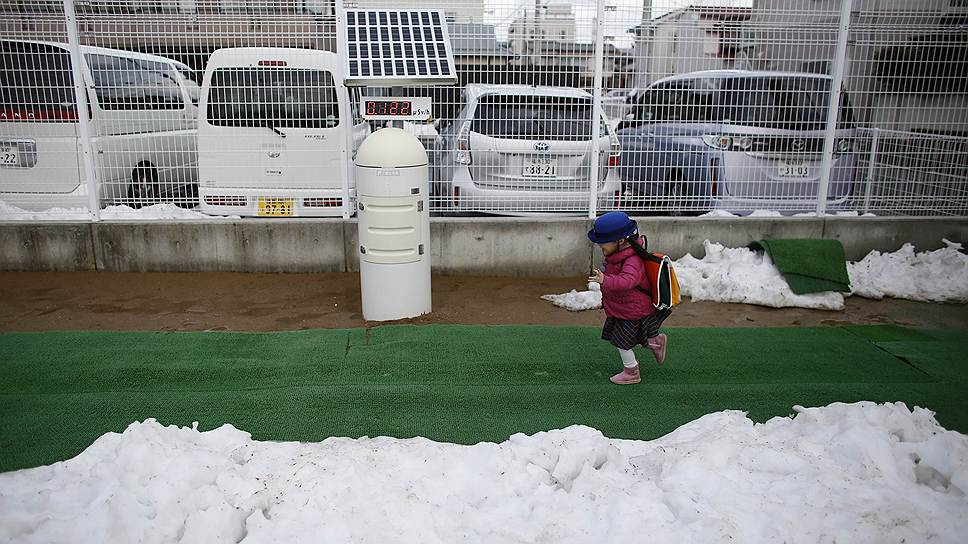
{"type": "Point", "coordinates": [625, 334]}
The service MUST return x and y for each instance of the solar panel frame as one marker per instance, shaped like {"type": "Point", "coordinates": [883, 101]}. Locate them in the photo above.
{"type": "Point", "coordinates": [395, 47]}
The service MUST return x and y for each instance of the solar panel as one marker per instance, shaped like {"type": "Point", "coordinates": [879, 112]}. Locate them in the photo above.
{"type": "Point", "coordinates": [393, 47]}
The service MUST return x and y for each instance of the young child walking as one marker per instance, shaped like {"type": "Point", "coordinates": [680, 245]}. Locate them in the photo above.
{"type": "Point", "coordinates": [630, 315]}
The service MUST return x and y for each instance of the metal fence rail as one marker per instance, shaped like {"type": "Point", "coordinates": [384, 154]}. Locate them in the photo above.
{"type": "Point", "coordinates": [562, 106]}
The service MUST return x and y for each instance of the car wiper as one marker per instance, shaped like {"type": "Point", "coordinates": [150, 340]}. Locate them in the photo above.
{"type": "Point", "coordinates": [276, 130]}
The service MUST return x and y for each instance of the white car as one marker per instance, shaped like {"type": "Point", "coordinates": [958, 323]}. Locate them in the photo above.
{"type": "Point", "coordinates": [276, 134]}
{"type": "Point", "coordinates": [141, 122]}
{"type": "Point", "coordinates": [516, 149]}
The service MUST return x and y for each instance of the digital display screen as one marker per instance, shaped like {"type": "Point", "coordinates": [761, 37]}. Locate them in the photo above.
{"type": "Point", "coordinates": [403, 108]}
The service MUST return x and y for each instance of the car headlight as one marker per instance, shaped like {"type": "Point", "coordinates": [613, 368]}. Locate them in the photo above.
{"type": "Point", "coordinates": [717, 141]}
{"type": "Point", "coordinates": [843, 145]}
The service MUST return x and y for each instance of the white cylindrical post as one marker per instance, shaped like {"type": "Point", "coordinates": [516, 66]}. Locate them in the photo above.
{"type": "Point", "coordinates": [393, 214]}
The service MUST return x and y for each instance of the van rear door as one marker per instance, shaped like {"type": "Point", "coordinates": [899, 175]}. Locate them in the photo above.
{"type": "Point", "coordinates": [274, 123]}
{"type": "Point", "coordinates": [38, 119]}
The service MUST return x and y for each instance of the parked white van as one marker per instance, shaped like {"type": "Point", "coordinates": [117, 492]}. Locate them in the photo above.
{"type": "Point", "coordinates": [142, 126]}
{"type": "Point", "coordinates": [272, 135]}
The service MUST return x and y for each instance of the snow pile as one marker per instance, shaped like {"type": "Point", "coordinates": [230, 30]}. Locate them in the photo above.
{"type": "Point", "coordinates": [9, 212]}
{"type": "Point", "coordinates": [853, 473]}
{"type": "Point", "coordinates": [765, 213]}
{"type": "Point", "coordinates": [773, 213]}
{"type": "Point", "coordinates": [576, 301]}
{"type": "Point", "coordinates": [745, 276]}
{"type": "Point", "coordinates": [930, 276]}
{"type": "Point", "coordinates": [154, 212]}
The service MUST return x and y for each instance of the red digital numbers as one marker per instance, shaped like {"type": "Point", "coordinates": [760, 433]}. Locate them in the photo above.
{"type": "Point", "coordinates": [396, 108]}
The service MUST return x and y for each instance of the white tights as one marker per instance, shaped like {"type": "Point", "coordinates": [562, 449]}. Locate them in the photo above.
{"type": "Point", "coordinates": [628, 358]}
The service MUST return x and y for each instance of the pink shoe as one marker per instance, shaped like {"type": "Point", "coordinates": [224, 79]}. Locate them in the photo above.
{"type": "Point", "coordinates": [658, 347]}
{"type": "Point", "coordinates": [627, 376]}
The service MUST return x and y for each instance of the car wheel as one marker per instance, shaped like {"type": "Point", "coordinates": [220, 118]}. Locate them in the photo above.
{"type": "Point", "coordinates": [144, 189]}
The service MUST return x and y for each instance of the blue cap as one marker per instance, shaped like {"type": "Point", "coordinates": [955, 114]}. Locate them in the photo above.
{"type": "Point", "coordinates": [611, 227]}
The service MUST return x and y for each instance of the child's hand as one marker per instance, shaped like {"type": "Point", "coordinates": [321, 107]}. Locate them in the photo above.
{"type": "Point", "coordinates": [598, 277]}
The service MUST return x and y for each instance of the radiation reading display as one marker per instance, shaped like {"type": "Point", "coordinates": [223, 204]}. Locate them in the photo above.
{"type": "Point", "coordinates": [385, 108]}
{"type": "Point", "coordinates": [392, 108]}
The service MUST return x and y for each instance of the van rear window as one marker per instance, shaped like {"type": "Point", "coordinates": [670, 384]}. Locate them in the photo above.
{"type": "Point", "coordinates": [36, 83]}
{"type": "Point", "coordinates": [532, 117]}
{"type": "Point", "coordinates": [273, 97]}
{"type": "Point", "coordinates": [791, 103]}
{"type": "Point", "coordinates": [776, 102]}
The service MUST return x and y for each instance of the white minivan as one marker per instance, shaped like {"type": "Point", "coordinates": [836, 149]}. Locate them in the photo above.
{"type": "Point", "coordinates": [142, 126]}
{"type": "Point", "coordinates": [276, 133]}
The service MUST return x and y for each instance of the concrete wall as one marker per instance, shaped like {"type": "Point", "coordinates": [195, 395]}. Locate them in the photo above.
{"type": "Point", "coordinates": [459, 246]}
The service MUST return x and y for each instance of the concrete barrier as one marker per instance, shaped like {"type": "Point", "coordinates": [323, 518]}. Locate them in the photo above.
{"type": "Point", "coordinates": [46, 247]}
{"type": "Point", "coordinates": [459, 246]}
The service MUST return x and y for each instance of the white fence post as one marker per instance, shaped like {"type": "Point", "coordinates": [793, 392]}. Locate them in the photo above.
{"type": "Point", "coordinates": [597, 110]}
{"type": "Point", "coordinates": [833, 113]}
{"type": "Point", "coordinates": [349, 168]}
{"type": "Point", "coordinates": [83, 119]}
{"type": "Point", "coordinates": [871, 163]}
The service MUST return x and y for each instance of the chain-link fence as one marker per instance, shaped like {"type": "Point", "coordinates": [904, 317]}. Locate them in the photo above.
{"type": "Point", "coordinates": [238, 107]}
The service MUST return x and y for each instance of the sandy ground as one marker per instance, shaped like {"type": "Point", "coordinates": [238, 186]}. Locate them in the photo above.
{"type": "Point", "coordinates": [278, 302]}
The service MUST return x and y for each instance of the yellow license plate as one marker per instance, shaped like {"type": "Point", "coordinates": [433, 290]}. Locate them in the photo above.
{"type": "Point", "coordinates": [275, 207]}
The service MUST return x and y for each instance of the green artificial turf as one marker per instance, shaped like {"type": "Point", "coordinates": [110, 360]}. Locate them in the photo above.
{"type": "Point", "coordinates": [465, 384]}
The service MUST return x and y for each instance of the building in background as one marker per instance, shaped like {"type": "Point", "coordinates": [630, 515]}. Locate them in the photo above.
{"type": "Point", "coordinates": [907, 60]}
{"type": "Point", "coordinates": [689, 39]}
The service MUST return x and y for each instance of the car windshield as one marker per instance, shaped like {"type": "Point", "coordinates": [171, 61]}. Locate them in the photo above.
{"type": "Point", "coordinates": [272, 97]}
{"type": "Point", "coordinates": [779, 102]}
{"type": "Point", "coordinates": [533, 117]}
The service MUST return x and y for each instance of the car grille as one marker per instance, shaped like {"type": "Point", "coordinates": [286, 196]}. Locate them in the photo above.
{"type": "Point", "coordinates": [786, 144]}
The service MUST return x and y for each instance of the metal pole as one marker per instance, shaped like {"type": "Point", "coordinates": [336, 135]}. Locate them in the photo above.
{"type": "Point", "coordinates": [348, 140]}
{"type": "Point", "coordinates": [837, 79]}
{"type": "Point", "coordinates": [83, 118]}
{"type": "Point", "coordinates": [872, 161]}
{"type": "Point", "coordinates": [597, 110]}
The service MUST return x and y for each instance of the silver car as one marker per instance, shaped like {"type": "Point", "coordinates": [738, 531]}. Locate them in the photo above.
{"type": "Point", "coordinates": [516, 149]}
{"type": "Point", "coordinates": [734, 140]}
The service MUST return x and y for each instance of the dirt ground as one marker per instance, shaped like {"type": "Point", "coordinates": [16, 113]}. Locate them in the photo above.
{"type": "Point", "coordinates": [279, 302]}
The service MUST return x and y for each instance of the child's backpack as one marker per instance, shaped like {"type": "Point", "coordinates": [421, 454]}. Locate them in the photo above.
{"type": "Point", "coordinates": [664, 286]}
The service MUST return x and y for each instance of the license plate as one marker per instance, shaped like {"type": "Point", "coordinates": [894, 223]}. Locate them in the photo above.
{"type": "Point", "coordinates": [540, 168]}
{"type": "Point", "coordinates": [275, 207]}
{"type": "Point", "coordinates": [9, 156]}
{"type": "Point", "coordinates": [793, 170]}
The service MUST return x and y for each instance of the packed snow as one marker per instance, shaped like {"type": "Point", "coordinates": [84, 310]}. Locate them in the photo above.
{"type": "Point", "coordinates": [930, 276]}
{"type": "Point", "coordinates": [744, 276]}
{"type": "Point", "coordinates": [772, 213]}
{"type": "Point", "coordinates": [577, 301]}
{"type": "Point", "coordinates": [154, 212]}
{"type": "Point", "coordinates": [846, 473]}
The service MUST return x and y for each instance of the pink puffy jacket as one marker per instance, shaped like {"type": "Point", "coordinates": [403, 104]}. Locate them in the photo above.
{"type": "Point", "coordinates": [624, 270]}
